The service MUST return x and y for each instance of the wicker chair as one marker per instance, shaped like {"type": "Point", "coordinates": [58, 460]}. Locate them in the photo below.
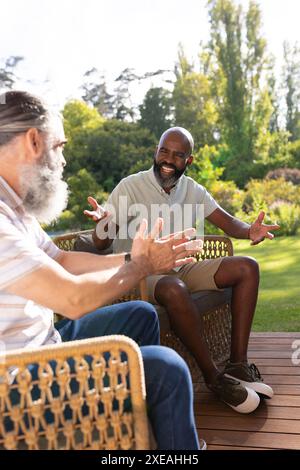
{"type": "Point", "coordinates": [213, 306]}
{"type": "Point", "coordinates": [97, 416]}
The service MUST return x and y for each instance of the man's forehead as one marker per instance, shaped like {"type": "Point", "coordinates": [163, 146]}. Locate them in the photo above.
{"type": "Point", "coordinates": [56, 128]}
{"type": "Point", "coordinates": [174, 140]}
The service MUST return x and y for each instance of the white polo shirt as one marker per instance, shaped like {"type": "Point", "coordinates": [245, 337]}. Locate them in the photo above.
{"type": "Point", "coordinates": [24, 247]}
{"type": "Point", "coordinates": [140, 196]}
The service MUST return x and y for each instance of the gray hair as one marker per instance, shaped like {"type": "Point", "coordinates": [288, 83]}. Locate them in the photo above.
{"type": "Point", "coordinates": [20, 111]}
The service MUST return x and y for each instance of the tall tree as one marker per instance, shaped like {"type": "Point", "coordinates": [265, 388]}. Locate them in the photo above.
{"type": "Point", "coordinates": [124, 109]}
{"type": "Point", "coordinates": [194, 106]}
{"type": "Point", "coordinates": [240, 60]}
{"type": "Point", "coordinates": [7, 71]}
{"type": "Point", "coordinates": [95, 93]}
{"type": "Point", "coordinates": [156, 111]}
{"type": "Point", "coordinates": [291, 86]}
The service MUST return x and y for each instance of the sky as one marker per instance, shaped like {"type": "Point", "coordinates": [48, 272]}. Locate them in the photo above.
{"type": "Point", "coordinates": [62, 39]}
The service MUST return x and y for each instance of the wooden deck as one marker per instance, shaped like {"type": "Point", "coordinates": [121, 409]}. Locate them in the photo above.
{"type": "Point", "coordinates": [276, 423]}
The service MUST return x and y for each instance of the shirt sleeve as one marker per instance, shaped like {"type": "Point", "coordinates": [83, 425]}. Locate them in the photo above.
{"type": "Point", "coordinates": [209, 203]}
{"type": "Point", "coordinates": [44, 241]}
{"type": "Point", "coordinates": [18, 254]}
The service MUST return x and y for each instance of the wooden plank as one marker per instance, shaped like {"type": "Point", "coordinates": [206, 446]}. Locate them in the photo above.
{"type": "Point", "coordinates": [274, 354]}
{"type": "Point", "coordinates": [268, 361]}
{"type": "Point", "coordinates": [278, 389]}
{"type": "Point", "coordinates": [263, 411]}
{"type": "Point", "coordinates": [214, 447]}
{"type": "Point", "coordinates": [249, 423]}
{"type": "Point", "coordinates": [282, 379]}
{"type": "Point", "coordinates": [274, 370]}
{"type": "Point", "coordinates": [251, 439]}
{"type": "Point", "coordinates": [268, 379]}
{"type": "Point", "coordinates": [266, 346]}
{"type": "Point", "coordinates": [275, 334]}
{"type": "Point", "coordinates": [277, 400]}
{"type": "Point", "coordinates": [274, 341]}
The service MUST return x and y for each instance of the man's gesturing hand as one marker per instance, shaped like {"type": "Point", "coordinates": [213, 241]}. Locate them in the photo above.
{"type": "Point", "coordinates": [98, 213]}
{"type": "Point", "coordinates": [259, 231]}
{"type": "Point", "coordinates": [160, 255]}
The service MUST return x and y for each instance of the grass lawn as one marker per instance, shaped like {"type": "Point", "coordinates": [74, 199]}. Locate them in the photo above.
{"type": "Point", "coordinates": [278, 307]}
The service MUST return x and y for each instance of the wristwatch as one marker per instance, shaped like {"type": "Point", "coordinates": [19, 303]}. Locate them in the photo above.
{"type": "Point", "coordinates": [127, 258]}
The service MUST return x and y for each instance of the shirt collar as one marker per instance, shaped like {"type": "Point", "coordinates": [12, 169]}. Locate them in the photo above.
{"type": "Point", "coordinates": [9, 196]}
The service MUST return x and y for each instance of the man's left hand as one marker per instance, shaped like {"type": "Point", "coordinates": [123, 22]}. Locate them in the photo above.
{"type": "Point", "coordinates": [259, 231]}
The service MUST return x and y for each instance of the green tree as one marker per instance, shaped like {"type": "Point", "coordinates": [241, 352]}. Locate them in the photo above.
{"type": "Point", "coordinates": [156, 111]}
{"type": "Point", "coordinates": [7, 71]}
{"type": "Point", "coordinates": [81, 185]}
{"type": "Point", "coordinates": [107, 149]}
{"type": "Point", "coordinates": [95, 93]}
{"type": "Point", "coordinates": [203, 169]}
{"type": "Point", "coordinates": [240, 61]}
{"type": "Point", "coordinates": [80, 120]}
{"type": "Point", "coordinates": [194, 106]}
{"type": "Point", "coordinates": [115, 148]}
{"type": "Point", "coordinates": [291, 88]}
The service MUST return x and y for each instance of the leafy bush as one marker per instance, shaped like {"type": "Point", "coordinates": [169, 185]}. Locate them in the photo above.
{"type": "Point", "coordinates": [203, 169]}
{"type": "Point", "coordinates": [227, 195]}
{"type": "Point", "coordinates": [288, 174]}
{"type": "Point", "coordinates": [288, 217]}
{"type": "Point", "coordinates": [266, 192]}
{"type": "Point", "coordinates": [279, 200]}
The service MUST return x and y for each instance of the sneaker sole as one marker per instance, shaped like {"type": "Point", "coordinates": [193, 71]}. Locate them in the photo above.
{"type": "Point", "coordinates": [249, 405]}
{"type": "Point", "coordinates": [264, 390]}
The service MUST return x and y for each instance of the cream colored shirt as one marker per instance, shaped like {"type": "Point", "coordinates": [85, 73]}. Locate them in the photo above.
{"type": "Point", "coordinates": [140, 196]}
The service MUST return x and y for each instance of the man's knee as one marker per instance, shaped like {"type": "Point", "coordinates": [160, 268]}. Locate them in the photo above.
{"type": "Point", "coordinates": [146, 310]}
{"type": "Point", "coordinates": [249, 267]}
{"type": "Point", "coordinates": [170, 289]}
{"type": "Point", "coordinates": [165, 365]}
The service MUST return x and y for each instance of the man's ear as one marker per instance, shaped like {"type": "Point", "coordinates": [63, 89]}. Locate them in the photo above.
{"type": "Point", "coordinates": [34, 143]}
{"type": "Point", "coordinates": [155, 151]}
{"type": "Point", "coordinates": [190, 160]}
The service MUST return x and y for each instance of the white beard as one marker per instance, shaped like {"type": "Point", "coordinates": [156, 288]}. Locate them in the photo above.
{"type": "Point", "coordinates": [44, 193]}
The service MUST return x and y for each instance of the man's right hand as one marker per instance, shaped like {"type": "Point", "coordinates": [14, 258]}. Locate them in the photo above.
{"type": "Point", "coordinates": [160, 255]}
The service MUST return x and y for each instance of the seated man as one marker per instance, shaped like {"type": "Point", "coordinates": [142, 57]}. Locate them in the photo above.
{"type": "Point", "coordinates": [165, 185]}
{"type": "Point", "coordinates": [36, 278]}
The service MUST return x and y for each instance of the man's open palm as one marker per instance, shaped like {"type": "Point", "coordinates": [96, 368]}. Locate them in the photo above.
{"type": "Point", "coordinates": [259, 231]}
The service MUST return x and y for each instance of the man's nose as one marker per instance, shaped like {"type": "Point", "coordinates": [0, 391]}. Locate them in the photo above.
{"type": "Point", "coordinates": [169, 157]}
{"type": "Point", "coordinates": [63, 161]}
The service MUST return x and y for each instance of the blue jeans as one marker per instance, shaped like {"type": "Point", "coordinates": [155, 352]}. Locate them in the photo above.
{"type": "Point", "coordinates": [168, 382]}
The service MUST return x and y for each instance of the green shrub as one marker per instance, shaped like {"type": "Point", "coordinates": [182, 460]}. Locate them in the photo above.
{"type": "Point", "coordinates": [268, 191]}
{"type": "Point", "coordinates": [288, 217]}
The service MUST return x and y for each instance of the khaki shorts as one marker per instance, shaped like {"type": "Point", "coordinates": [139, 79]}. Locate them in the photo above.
{"type": "Point", "coordinates": [196, 276]}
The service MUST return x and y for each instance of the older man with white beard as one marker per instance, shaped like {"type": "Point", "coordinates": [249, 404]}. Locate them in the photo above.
{"type": "Point", "coordinates": [36, 278]}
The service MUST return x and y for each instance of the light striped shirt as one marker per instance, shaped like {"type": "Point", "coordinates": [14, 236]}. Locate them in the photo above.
{"type": "Point", "coordinates": [24, 247]}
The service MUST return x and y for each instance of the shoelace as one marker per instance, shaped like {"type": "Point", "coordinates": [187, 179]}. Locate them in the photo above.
{"type": "Point", "coordinates": [255, 372]}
